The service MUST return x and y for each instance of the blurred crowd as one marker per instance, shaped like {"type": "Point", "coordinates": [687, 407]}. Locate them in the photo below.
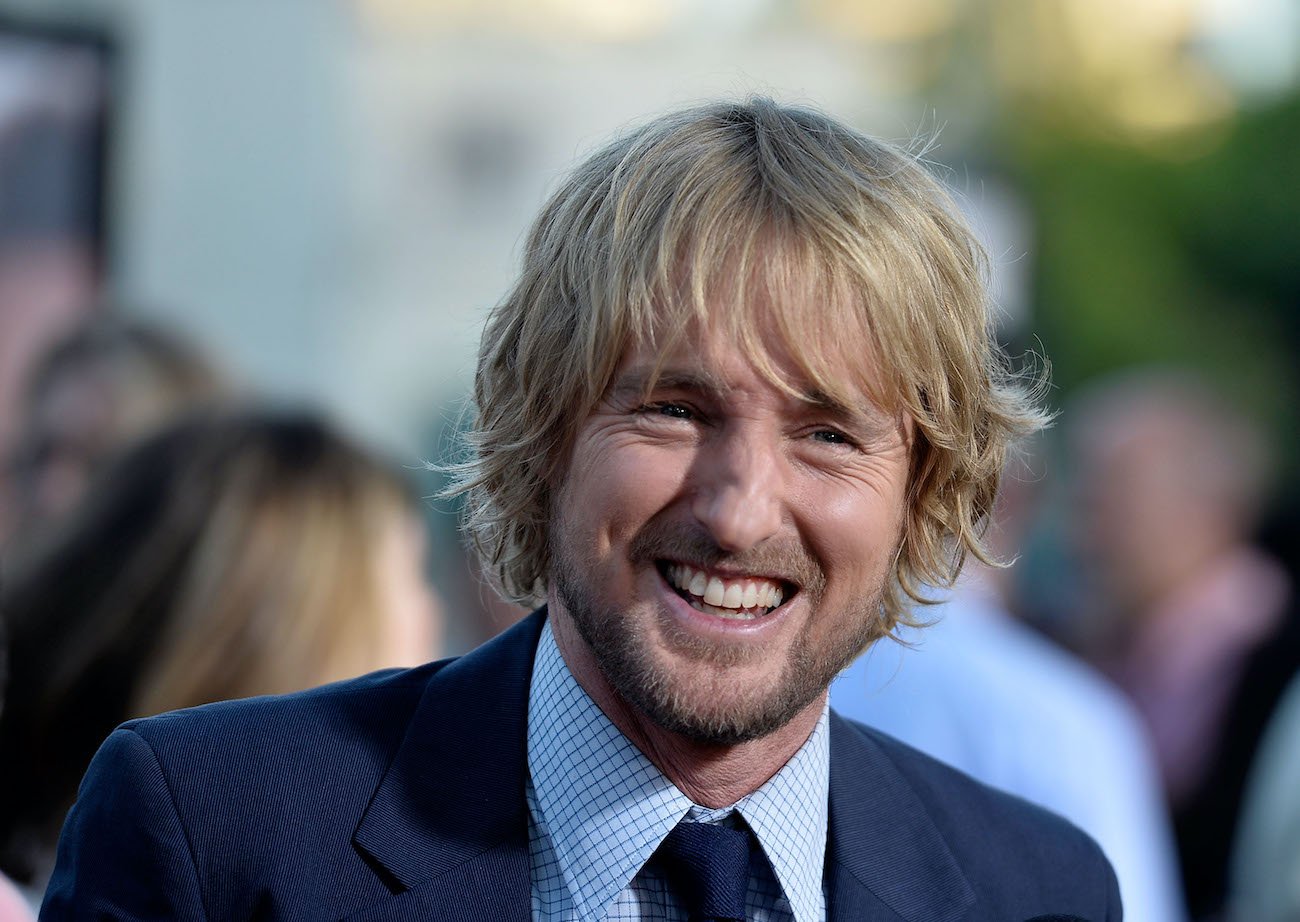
{"type": "Point", "coordinates": [169, 542]}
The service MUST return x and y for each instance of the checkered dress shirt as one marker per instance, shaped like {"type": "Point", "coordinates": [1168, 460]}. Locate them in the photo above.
{"type": "Point", "coordinates": [598, 809]}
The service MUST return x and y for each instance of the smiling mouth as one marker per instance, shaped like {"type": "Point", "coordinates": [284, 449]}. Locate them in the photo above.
{"type": "Point", "coordinates": [736, 598]}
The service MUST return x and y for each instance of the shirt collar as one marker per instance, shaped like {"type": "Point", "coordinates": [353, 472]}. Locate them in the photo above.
{"type": "Point", "coordinates": [607, 807]}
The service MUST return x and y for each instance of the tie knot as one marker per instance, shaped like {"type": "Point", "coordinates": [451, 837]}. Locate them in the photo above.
{"type": "Point", "coordinates": [707, 866]}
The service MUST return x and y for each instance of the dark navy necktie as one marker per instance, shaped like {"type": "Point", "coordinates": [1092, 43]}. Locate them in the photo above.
{"type": "Point", "coordinates": [707, 867]}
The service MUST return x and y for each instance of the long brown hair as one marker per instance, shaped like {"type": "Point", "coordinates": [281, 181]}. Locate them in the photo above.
{"type": "Point", "coordinates": [232, 554]}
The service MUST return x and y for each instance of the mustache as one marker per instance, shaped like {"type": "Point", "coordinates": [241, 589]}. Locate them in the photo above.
{"type": "Point", "coordinates": [691, 544]}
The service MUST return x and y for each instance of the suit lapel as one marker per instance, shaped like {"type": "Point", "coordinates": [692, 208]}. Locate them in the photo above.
{"type": "Point", "coordinates": [886, 861]}
{"type": "Point", "coordinates": [448, 825]}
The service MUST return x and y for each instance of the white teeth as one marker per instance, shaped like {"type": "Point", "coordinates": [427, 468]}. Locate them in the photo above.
{"type": "Point", "coordinates": [731, 614]}
{"type": "Point", "coordinates": [699, 582]}
{"type": "Point", "coordinates": [716, 596]}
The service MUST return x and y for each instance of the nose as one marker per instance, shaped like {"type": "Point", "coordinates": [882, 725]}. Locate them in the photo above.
{"type": "Point", "coordinates": [739, 489]}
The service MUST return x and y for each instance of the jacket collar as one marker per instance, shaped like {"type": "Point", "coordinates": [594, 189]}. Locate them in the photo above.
{"type": "Point", "coordinates": [448, 825]}
{"type": "Point", "coordinates": [449, 822]}
{"type": "Point", "coordinates": [886, 860]}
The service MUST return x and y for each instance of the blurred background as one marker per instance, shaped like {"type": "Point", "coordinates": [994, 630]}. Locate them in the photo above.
{"type": "Point", "coordinates": [322, 198]}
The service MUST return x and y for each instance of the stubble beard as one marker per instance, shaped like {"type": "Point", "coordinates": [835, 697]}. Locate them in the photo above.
{"type": "Point", "coordinates": [627, 661]}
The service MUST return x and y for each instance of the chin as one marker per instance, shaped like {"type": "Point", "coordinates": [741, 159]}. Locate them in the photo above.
{"type": "Point", "coordinates": [706, 701]}
{"type": "Point", "coordinates": [705, 719]}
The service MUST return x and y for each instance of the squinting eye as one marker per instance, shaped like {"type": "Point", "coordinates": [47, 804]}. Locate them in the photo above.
{"type": "Point", "coordinates": [831, 437]}
{"type": "Point", "coordinates": [671, 410]}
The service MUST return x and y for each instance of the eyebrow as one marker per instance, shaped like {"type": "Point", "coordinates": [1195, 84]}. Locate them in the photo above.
{"type": "Point", "coordinates": [641, 380]}
{"type": "Point", "coordinates": [868, 421]}
{"type": "Point", "coordinates": [825, 401]}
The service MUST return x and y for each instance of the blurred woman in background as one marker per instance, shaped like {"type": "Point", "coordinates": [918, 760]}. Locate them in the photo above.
{"type": "Point", "coordinates": [231, 554]}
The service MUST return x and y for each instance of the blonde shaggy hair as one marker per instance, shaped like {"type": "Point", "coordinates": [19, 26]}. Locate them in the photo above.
{"type": "Point", "coordinates": [866, 265]}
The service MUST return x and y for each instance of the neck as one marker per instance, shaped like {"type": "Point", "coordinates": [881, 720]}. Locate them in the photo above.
{"type": "Point", "coordinates": [711, 775]}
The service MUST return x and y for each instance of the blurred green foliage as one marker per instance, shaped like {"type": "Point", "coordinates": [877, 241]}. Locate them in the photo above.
{"type": "Point", "coordinates": [1175, 255]}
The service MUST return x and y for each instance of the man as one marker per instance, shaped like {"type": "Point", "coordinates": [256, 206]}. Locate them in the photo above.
{"type": "Point", "coordinates": [740, 403]}
{"type": "Point", "coordinates": [1199, 624]}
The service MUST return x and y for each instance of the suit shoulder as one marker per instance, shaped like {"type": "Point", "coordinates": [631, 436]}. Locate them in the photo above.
{"type": "Point", "coordinates": [300, 728]}
{"type": "Point", "coordinates": [260, 805]}
{"type": "Point", "coordinates": [972, 815]}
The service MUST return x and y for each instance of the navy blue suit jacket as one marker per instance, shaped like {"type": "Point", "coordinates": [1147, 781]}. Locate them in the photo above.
{"type": "Point", "coordinates": [400, 795]}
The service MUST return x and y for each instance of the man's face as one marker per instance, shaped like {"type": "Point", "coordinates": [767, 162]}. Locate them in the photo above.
{"type": "Point", "coordinates": [720, 545]}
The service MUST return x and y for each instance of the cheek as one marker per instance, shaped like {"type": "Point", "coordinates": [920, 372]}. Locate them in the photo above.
{"type": "Point", "coordinates": [610, 496]}
{"type": "Point", "coordinates": [855, 532]}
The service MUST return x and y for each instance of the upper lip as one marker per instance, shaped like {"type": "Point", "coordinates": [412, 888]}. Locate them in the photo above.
{"type": "Point", "coordinates": [788, 586]}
